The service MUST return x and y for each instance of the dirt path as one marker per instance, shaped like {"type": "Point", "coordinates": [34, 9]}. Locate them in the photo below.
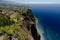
{"type": "Point", "coordinates": [1, 37]}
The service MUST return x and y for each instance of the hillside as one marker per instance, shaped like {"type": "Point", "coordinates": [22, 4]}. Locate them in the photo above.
{"type": "Point", "coordinates": [17, 24]}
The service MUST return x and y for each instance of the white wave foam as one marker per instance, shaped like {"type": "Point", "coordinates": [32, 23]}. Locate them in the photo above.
{"type": "Point", "coordinates": [41, 32]}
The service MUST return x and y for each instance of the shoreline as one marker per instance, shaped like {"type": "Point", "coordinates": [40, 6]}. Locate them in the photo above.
{"type": "Point", "coordinates": [36, 20]}
{"type": "Point", "coordinates": [38, 32]}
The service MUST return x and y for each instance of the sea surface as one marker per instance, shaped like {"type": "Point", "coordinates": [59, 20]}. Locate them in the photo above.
{"type": "Point", "coordinates": [49, 20]}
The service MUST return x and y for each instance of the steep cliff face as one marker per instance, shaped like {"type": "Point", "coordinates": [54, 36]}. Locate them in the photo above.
{"type": "Point", "coordinates": [21, 25]}
{"type": "Point", "coordinates": [31, 26]}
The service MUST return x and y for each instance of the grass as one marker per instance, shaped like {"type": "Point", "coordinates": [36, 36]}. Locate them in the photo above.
{"type": "Point", "coordinates": [14, 28]}
{"type": "Point", "coordinates": [6, 30]}
{"type": "Point", "coordinates": [21, 34]}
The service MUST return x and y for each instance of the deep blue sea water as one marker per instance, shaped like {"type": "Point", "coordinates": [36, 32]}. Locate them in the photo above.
{"type": "Point", "coordinates": [49, 20]}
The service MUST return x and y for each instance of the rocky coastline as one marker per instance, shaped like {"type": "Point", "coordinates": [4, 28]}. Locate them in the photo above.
{"type": "Point", "coordinates": [18, 24]}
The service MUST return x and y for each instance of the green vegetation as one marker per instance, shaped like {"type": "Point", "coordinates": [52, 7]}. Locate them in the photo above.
{"type": "Point", "coordinates": [10, 22]}
{"type": "Point", "coordinates": [3, 20]}
{"type": "Point", "coordinates": [6, 30]}
{"type": "Point", "coordinates": [13, 31]}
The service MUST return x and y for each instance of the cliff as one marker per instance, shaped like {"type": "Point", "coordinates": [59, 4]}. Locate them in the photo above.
{"type": "Point", "coordinates": [17, 24]}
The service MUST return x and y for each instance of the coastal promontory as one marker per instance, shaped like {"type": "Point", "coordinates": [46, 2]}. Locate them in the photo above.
{"type": "Point", "coordinates": [17, 24]}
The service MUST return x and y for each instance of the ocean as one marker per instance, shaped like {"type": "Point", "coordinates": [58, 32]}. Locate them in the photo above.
{"type": "Point", "coordinates": [48, 20]}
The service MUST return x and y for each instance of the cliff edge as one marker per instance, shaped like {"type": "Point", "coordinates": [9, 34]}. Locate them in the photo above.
{"type": "Point", "coordinates": [17, 24]}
